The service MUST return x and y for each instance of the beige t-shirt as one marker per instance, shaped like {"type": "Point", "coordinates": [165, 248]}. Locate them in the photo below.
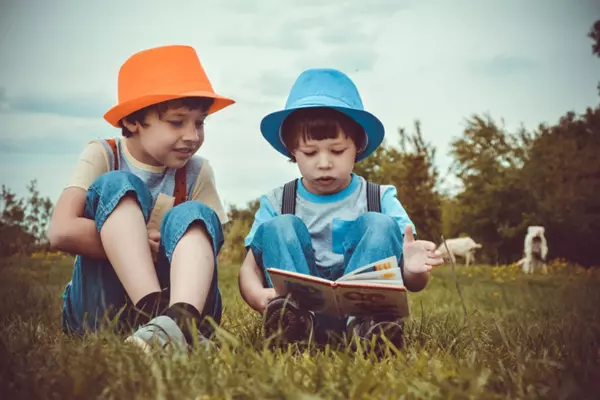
{"type": "Point", "coordinates": [94, 161]}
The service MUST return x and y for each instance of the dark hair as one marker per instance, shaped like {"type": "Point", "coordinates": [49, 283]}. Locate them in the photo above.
{"type": "Point", "coordinates": [319, 124]}
{"type": "Point", "coordinates": [192, 103]}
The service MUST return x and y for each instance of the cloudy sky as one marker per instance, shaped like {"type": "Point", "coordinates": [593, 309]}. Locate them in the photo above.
{"type": "Point", "coordinates": [438, 61]}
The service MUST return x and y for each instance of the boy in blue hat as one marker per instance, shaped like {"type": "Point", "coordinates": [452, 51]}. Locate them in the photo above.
{"type": "Point", "coordinates": [331, 221]}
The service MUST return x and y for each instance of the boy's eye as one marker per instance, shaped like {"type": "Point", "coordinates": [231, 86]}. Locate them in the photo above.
{"type": "Point", "coordinates": [199, 124]}
{"type": "Point", "coordinates": [309, 153]}
{"type": "Point", "coordinates": [176, 123]}
{"type": "Point", "coordinates": [338, 152]}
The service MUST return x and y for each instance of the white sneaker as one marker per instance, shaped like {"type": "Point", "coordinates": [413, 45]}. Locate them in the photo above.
{"type": "Point", "coordinates": [161, 332]}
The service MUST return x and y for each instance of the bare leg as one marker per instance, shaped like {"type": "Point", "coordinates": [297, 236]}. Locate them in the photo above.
{"type": "Point", "coordinates": [192, 267]}
{"type": "Point", "coordinates": [125, 240]}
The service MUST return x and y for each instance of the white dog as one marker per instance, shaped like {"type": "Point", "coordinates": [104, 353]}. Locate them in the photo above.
{"type": "Point", "coordinates": [535, 250]}
{"type": "Point", "coordinates": [463, 247]}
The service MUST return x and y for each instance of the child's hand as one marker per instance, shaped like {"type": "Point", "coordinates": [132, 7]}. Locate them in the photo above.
{"type": "Point", "coordinates": [419, 255]}
{"type": "Point", "coordinates": [154, 241]}
{"type": "Point", "coordinates": [263, 299]}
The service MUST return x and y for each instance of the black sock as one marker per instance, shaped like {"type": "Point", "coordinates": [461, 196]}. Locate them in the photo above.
{"type": "Point", "coordinates": [184, 315]}
{"type": "Point", "coordinates": [148, 307]}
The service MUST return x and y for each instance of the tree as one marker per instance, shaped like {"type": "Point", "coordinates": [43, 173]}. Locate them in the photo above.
{"type": "Point", "coordinates": [563, 178]}
{"type": "Point", "coordinates": [594, 34]}
{"type": "Point", "coordinates": [491, 206]}
{"type": "Point", "coordinates": [38, 211]}
{"type": "Point", "coordinates": [549, 177]}
{"type": "Point", "coordinates": [24, 221]}
{"type": "Point", "coordinates": [236, 230]}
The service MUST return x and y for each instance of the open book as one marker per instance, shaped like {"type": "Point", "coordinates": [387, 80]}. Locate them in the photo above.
{"type": "Point", "coordinates": [373, 289]}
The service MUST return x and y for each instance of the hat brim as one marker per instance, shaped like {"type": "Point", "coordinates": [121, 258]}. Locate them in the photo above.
{"type": "Point", "coordinates": [118, 112]}
{"type": "Point", "coordinates": [271, 124]}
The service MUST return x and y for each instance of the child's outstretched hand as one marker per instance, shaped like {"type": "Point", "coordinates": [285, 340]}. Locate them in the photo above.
{"type": "Point", "coordinates": [419, 255]}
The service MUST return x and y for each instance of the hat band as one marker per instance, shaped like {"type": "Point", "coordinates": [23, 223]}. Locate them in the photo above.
{"type": "Point", "coordinates": [172, 89]}
{"type": "Point", "coordinates": [321, 101]}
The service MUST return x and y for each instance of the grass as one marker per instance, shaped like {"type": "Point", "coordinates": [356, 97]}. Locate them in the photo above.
{"type": "Point", "coordinates": [536, 337]}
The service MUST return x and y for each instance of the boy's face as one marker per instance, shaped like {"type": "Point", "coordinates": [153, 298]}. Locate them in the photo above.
{"type": "Point", "coordinates": [326, 165]}
{"type": "Point", "coordinates": [171, 140]}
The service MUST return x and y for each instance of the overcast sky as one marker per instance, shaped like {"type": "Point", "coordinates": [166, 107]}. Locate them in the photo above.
{"type": "Point", "coordinates": [438, 61]}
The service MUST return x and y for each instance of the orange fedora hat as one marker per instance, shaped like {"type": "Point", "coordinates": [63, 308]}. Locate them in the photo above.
{"type": "Point", "coordinates": [160, 74]}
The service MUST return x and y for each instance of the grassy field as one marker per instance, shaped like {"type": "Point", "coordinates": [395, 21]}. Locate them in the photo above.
{"type": "Point", "coordinates": [535, 337]}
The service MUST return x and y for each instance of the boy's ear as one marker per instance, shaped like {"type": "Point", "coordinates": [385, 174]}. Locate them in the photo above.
{"type": "Point", "coordinates": [292, 156]}
{"type": "Point", "coordinates": [132, 127]}
{"type": "Point", "coordinates": [363, 146]}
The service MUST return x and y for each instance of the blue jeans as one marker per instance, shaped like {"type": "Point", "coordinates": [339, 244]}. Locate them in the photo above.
{"type": "Point", "coordinates": [284, 242]}
{"type": "Point", "coordinates": [95, 295]}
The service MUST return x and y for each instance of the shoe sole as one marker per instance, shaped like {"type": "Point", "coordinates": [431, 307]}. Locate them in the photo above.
{"type": "Point", "coordinates": [139, 343]}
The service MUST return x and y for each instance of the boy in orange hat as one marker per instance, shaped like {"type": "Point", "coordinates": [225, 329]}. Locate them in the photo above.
{"type": "Point", "coordinates": [142, 213]}
{"type": "Point", "coordinates": [330, 221]}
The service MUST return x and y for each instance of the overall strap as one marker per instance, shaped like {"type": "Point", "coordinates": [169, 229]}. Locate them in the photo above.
{"type": "Point", "coordinates": [113, 145]}
{"type": "Point", "coordinates": [180, 190]}
{"type": "Point", "coordinates": [373, 199]}
{"type": "Point", "coordinates": [288, 203]}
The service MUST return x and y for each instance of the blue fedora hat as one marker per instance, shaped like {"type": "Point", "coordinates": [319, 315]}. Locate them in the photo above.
{"type": "Point", "coordinates": [330, 88]}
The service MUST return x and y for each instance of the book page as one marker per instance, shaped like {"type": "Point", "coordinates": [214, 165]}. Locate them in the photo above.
{"type": "Point", "coordinates": [385, 264]}
{"type": "Point", "coordinates": [382, 283]}
{"type": "Point", "coordinates": [312, 293]}
{"type": "Point", "coordinates": [357, 298]}
{"type": "Point", "coordinates": [386, 276]}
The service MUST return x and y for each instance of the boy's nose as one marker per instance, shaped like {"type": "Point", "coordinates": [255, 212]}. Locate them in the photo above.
{"type": "Point", "coordinates": [324, 162]}
{"type": "Point", "coordinates": [193, 134]}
